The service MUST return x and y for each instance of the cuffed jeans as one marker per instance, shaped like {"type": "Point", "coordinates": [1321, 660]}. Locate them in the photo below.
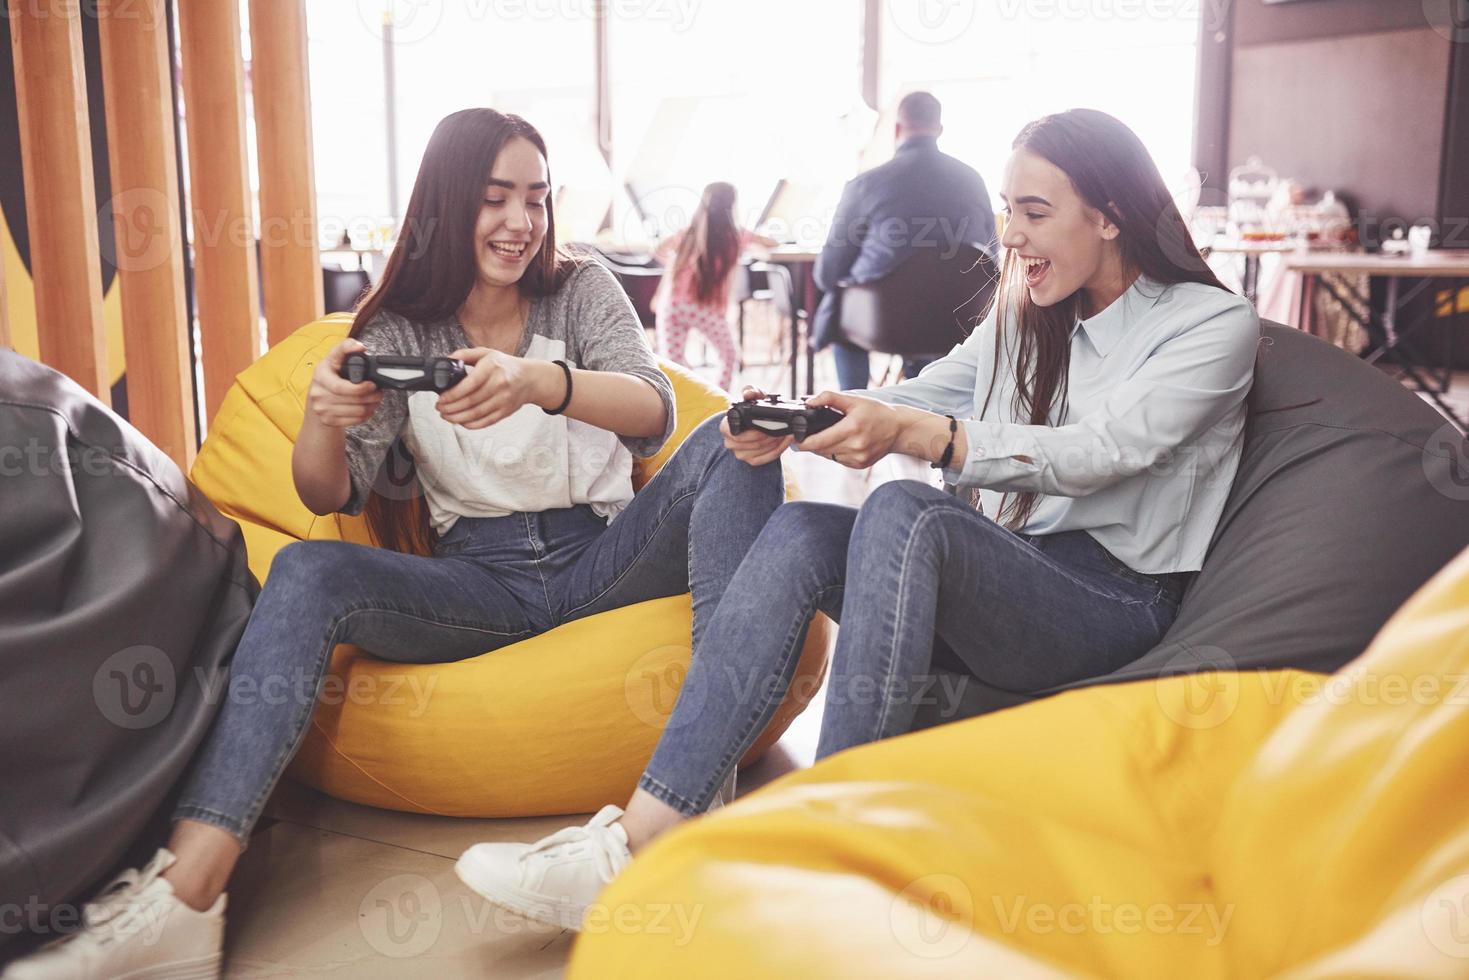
{"type": "Point", "coordinates": [491, 582]}
{"type": "Point", "coordinates": [914, 569]}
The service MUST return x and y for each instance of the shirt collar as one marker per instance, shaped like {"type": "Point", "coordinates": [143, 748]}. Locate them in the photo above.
{"type": "Point", "coordinates": [1107, 327]}
{"type": "Point", "coordinates": [918, 143]}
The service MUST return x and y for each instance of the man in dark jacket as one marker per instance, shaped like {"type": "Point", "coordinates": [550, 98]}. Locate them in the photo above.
{"type": "Point", "coordinates": [920, 199]}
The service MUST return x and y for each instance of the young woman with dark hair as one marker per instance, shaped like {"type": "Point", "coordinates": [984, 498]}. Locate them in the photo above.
{"type": "Point", "coordinates": [515, 511]}
{"type": "Point", "coordinates": [1091, 426]}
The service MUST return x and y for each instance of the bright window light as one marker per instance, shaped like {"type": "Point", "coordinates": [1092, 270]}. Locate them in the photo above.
{"type": "Point", "coordinates": [765, 94]}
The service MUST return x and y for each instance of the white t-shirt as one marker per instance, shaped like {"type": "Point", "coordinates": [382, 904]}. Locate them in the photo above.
{"type": "Point", "coordinates": [530, 461]}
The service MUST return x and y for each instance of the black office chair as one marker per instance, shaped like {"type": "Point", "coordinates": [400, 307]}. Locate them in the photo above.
{"type": "Point", "coordinates": [923, 307]}
{"type": "Point", "coordinates": [342, 288]}
{"type": "Point", "coordinates": [640, 282]}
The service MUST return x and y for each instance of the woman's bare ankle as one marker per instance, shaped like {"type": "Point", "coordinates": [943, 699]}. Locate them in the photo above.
{"type": "Point", "coordinates": [205, 857]}
{"type": "Point", "coordinates": [646, 818]}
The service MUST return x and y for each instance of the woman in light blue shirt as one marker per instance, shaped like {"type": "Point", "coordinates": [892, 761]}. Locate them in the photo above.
{"type": "Point", "coordinates": [1091, 427]}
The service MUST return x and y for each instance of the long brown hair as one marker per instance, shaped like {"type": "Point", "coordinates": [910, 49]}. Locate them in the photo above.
{"type": "Point", "coordinates": [430, 274]}
{"type": "Point", "coordinates": [711, 243]}
{"type": "Point", "coordinates": [1113, 173]}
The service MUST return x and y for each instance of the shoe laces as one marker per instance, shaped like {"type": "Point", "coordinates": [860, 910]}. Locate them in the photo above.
{"type": "Point", "coordinates": [116, 911]}
{"type": "Point", "coordinates": [608, 851]}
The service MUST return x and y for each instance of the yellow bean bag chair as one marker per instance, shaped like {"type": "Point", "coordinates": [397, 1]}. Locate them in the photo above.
{"type": "Point", "coordinates": [560, 723]}
{"type": "Point", "coordinates": [1214, 825]}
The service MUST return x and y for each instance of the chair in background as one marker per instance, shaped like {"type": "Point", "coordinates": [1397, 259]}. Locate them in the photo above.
{"type": "Point", "coordinates": [751, 284]}
{"type": "Point", "coordinates": [639, 281]}
{"type": "Point", "coordinates": [923, 307]}
{"type": "Point", "coordinates": [788, 309]}
{"type": "Point", "coordinates": [342, 288]}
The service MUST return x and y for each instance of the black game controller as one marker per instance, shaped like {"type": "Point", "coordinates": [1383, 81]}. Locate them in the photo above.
{"type": "Point", "coordinates": [405, 373]}
{"type": "Point", "coordinates": [781, 418]}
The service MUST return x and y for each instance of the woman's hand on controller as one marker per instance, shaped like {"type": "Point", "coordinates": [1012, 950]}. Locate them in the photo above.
{"type": "Point", "coordinates": [866, 435]}
{"type": "Point", "coordinates": [754, 446]}
{"type": "Point", "coordinates": [333, 400]}
{"type": "Point", "coordinates": [497, 386]}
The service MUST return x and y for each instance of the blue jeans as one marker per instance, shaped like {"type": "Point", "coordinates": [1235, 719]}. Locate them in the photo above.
{"type": "Point", "coordinates": [913, 570]}
{"type": "Point", "coordinates": [854, 366]}
{"type": "Point", "coordinates": [491, 582]}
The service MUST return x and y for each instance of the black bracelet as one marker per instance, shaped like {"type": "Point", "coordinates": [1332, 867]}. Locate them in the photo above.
{"type": "Point", "coordinates": [948, 455]}
{"type": "Point", "coordinates": [567, 400]}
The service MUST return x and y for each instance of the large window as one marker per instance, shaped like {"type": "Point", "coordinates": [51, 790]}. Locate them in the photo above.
{"type": "Point", "coordinates": [348, 120]}
{"type": "Point", "coordinates": [751, 92]}
{"type": "Point", "coordinates": [998, 64]}
{"type": "Point", "coordinates": [523, 56]}
{"type": "Point", "coordinates": [535, 58]}
{"type": "Point", "coordinates": [760, 93]}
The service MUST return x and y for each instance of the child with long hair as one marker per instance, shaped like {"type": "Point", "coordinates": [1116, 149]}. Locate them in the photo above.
{"type": "Point", "coordinates": [694, 294]}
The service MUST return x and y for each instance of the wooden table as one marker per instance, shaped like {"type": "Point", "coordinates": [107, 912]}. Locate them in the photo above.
{"type": "Point", "coordinates": [1317, 268]}
{"type": "Point", "coordinates": [1250, 281]}
{"type": "Point", "coordinates": [801, 261]}
{"type": "Point", "coordinates": [792, 254]}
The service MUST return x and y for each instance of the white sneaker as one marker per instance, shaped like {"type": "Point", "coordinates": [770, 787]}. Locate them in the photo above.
{"type": "Point", "coordinates": [555, 879]}
{"type": "Point", "coordinates": [135, 929]}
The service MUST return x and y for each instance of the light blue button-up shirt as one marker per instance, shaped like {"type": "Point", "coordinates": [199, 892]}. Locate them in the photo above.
{"type": "Point", "coordinates": [1146, 452]}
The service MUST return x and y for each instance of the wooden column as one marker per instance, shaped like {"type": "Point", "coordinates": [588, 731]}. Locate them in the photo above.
{"type": "Point", "coordinates": [220, 205]}
{"type": "Point", "coordinates": [61, 202]}
{"type": "Point", "coordinates": [290, 255]}
{"type": "Point", "coordinates": [5, 340]}
{"type": "Point", "coordinates": [148, 243]}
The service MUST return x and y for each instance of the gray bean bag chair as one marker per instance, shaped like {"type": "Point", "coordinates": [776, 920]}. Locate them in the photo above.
{"type": "Point", "coordinates": [122, 595]}
{"type": "Point", "coordinates": [1351, 493]}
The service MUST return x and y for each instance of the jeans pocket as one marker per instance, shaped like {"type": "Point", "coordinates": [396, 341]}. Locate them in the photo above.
{"type": "Point", "coordinates": [453, 542]}
{"type": "Point", "coordinates": [1152, 586]}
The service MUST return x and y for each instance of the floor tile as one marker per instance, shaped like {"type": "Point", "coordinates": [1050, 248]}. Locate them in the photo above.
{"type": "Point", "coordinates": [308, 902]}
{"type": "Point", "coordinates": [442, 836]}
